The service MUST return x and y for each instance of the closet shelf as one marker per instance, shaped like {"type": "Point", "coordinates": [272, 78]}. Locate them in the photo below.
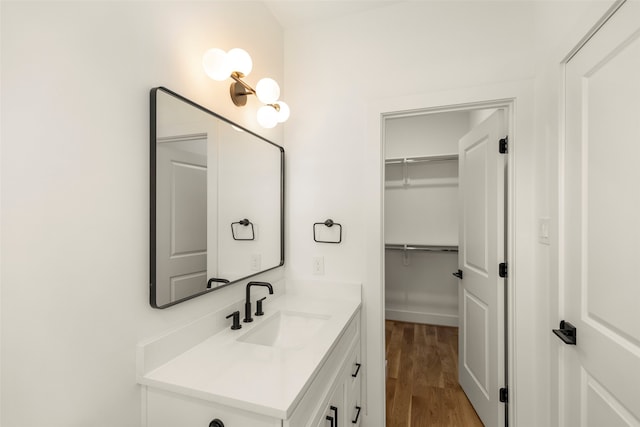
{"type": "Point", "coordinates": [433, 183]}
{"type": "Point", "coordinates": [406, 161]}
{"type": "Point", "coordinates": [424, 248]}
{"type": "Point", "coordinates": [420, 159]}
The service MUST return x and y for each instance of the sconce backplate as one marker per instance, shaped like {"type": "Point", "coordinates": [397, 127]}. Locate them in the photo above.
{"type": "Point", "coordinates": [238, 94]}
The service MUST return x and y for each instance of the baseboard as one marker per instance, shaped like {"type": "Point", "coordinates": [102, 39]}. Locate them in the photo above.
{"type": "Point", "coordinates": [419, 317]}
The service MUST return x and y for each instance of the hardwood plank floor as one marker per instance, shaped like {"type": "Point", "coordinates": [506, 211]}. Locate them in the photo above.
{"type": "Point", "coordinates": [422, 383]}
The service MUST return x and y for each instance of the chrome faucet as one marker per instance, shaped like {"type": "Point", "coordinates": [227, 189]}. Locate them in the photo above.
{"type": "Point", "coordinates": [247, 304]}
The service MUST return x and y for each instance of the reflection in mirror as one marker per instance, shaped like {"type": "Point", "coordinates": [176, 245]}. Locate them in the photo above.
{"type": "Point", "coordinates": [216, 201]}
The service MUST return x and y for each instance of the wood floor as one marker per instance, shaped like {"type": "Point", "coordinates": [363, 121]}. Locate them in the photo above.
{"type": "Point", "coordinates": [422, 382]}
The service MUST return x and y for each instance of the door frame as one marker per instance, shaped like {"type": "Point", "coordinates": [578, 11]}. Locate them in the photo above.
{"type": "Point", "coordinates": [523, 371]}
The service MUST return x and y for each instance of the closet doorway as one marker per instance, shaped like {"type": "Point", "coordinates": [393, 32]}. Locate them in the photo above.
{"type": "Point", "coordinates": [445, 258]}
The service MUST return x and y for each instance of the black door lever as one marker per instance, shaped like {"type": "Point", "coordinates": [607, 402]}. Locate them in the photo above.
{"type": "Point", "coordinates": [458, 274]}
{"type": "Point", "coordinates": [567, 333]}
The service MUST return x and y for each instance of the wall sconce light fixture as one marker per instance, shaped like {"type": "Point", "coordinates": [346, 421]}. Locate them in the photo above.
{"type": "Point", "coordinates": [237, 64]}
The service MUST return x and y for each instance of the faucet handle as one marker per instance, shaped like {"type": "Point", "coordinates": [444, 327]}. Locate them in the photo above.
{"type": "Point", "coordinates": [259, 311]}
{"type": "Point", "coordinates": [236, 320]}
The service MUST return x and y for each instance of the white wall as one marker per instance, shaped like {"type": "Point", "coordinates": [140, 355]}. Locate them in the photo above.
{"type": "Point", "coordinates": [337, 70]}
{"type": "Point", "coordinates": [250, 184]}
{"type": "Point", "coordinates": [75, 190]}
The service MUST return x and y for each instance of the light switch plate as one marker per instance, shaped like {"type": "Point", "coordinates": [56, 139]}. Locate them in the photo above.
{"type": "Point", "coordinates": [543, 230]}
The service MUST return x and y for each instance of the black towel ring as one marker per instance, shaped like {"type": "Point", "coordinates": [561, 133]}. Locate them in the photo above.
{"type": "Point", "coordinates": [244, 222]}
{"type": "Point", "coordinates": [328, 223]}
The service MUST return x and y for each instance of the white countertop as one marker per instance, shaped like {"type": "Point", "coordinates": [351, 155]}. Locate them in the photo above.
{"type": "Point", "coordinates": [262, 379]}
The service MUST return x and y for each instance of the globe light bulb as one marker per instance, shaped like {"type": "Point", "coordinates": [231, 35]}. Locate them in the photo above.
{"type": "Point", "coordinates": [267, 117]}
{"type": "Point", "coordinates": [240, 61]}
{"type": "Point", "coordinates": [216, 64]}
{"type": "Point", "coordinates": [283, 114]}
{"type": "Point", "coordinates": [267, 91]}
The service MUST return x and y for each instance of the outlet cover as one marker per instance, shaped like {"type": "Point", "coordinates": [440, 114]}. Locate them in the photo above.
{"type": "Point", "coordinates": [318, 266]}
{"type": "Point", "coordinates": [256, 261]}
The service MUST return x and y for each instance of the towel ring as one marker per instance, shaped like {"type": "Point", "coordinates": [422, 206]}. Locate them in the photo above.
{"type": "Point", "coordinates": [328, 223]}
{"type": "Point", "coordinates": [244, 222]}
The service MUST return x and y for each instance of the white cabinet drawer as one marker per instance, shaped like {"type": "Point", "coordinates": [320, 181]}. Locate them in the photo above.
{"type": "Point", "coordinates": [166, 409]}
{"type": "Point", "coordinates": [353, 407]}
{"type": "Point", "coordinates": [354, 366]}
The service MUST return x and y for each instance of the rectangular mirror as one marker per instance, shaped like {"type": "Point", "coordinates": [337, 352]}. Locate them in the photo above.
{"type": "Point", "coordinates": [217, 201]}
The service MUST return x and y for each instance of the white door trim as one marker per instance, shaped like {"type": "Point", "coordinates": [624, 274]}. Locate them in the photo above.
{"type": "Point", "coordinates": [608, 14]}
{"type": "Point", "coordinates": [524, 369]}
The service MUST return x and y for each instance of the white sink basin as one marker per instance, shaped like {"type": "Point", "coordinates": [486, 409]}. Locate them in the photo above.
{"type": "Point", "coordinates": [286, 329]}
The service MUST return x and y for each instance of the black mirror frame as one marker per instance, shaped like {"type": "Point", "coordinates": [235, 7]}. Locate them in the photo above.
{"type": "Point", "coordinates": [152, 197]}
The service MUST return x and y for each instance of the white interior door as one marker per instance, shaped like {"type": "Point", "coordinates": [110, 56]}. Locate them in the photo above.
{"type": "Point", "coordinates": [481, 249]}
{"type": "Point", "coordinates": [601, 372]}
{"type": "Point", "coordinates": [181, 221]}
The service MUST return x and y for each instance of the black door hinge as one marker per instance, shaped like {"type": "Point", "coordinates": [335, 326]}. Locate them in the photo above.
{"type": "Point", "coordinates": [503, 270]}
{"type": "Point", "coordinates": [504, 395]}
{"type": "Point", "coordinates": [503, 146]}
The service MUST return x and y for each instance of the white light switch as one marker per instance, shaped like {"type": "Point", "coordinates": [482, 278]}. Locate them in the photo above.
{"type": "Point", "coordinates": [318, 266]}
{"type": "Point", "coordinates": [543, 230]}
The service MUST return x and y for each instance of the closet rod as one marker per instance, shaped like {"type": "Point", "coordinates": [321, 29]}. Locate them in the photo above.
{"type": "Point", "coordinates": [425, 248]}
{"type": "Point", "coordinates": [438, 158]}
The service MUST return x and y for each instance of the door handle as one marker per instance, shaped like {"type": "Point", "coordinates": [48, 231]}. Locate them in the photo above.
{"type": "Point", "coordinates": [458, 274]}
{"type": "Point", "coordinates": [330, 419]}
{"type": "Point", "coordinates": [335, 413]}
{"type": "Point", "coordinates": [567, 333]}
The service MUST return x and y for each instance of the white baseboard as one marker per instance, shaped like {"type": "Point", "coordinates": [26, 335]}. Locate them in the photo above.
{"type": "Point", "coordinates": [420, 317]}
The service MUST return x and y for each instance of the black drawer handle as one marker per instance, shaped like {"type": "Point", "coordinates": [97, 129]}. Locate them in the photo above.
{"type": "Point", "coordinates": [355, 421]}
{"type": "Point", "coordinates": [335, 413]}
{"type": "Point", "coordinates": [330, 419]}
{"type": "Point", "coordinates": [355, 374]}
{"type": "Point", "coordinates": [216, 423]}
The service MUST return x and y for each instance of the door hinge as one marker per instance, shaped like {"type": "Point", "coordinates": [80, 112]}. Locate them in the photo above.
{"type": "Point", "coordinates": [503, 269]}
{"type": "Point", "coordinates": [504, 395]}
{"type": "Point", "coordinates": [503, 145]}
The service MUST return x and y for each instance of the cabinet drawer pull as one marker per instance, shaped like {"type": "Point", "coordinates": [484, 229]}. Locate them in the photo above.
{"type": "Point", "coordinates": [355, 421]}
{"type": "Point", "coordinates": [335, 413]}
{"type": "Point", "coordinates": [355, 374]}
{"type": "Point", "coordinates": [216, 423]}
{"type": "Point", "coordinates": [330, 419]}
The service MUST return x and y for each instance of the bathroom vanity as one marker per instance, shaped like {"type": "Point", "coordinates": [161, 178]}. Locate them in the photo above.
{"type": "Point", "coordinates": [298, 365]}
